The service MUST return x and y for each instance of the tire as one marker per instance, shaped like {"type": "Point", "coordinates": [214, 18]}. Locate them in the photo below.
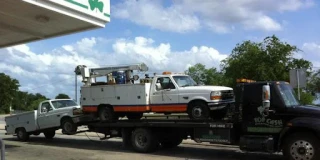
{"type": "Point", "coordinates": [301, 146]}
{"type": "Point", "coordinates": [134, 116]}
{"type": "Point", "coordinates": [49, 134]}
{"type": "Point", "coordinates": [171, 143]}
{"type": "Point", "coordinates": [68, 126]}
{"type": "Point", "coordinates": [198, 111]}
{"type": "Point", "coordinates": [106, 114]}
{"type": "Point", "coordinates": [144, 141]}
{"type": "Point", "coordinates": [22, 134]}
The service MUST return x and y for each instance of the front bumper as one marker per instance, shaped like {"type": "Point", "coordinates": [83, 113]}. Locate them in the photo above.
{"type": "Point", "coordinates": [219, 104]}
{"type": "Point", "coordinates": [82, 119]}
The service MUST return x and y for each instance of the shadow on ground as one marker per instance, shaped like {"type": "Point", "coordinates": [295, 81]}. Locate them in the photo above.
{"type": "Point", "coordinates": [185, 151]}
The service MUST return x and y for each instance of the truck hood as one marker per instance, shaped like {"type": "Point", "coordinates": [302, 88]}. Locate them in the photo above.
{"type": "Point", "coordinates": [308, 110]}
{"type": "Point", "coordinates": [204, 88]}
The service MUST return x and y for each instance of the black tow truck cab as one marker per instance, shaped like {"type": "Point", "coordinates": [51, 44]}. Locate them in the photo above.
{"type": "Point", "coordinates": [266, 117]}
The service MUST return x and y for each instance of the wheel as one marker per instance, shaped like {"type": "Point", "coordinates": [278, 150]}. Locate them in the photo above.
{"type": "Point", "coordinates": [134, 116]}
{"type": "Point", "coordinates": [199, 110]}
{"type": "Point", "coordinates": [171, 142]}
{"type": "Point", "coordinates": [107, 114]}
{"type": "Point", "coordinates": [68, 126]}
{"type": "Point", "coordinates": [22, 134]}
{"type": "Point", "coordinates": [301, 146]}
{"type": "Point", "coordinates": [144, 141]}
{"type": "Point", "coordinates": [49, 134]}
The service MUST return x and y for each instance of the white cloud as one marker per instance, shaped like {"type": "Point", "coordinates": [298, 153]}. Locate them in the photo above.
{"type": "Point", "coordinates": [220, 16]}
{"type": "Point", "coordinates": [311, 52]}
{"type": "Point", "coordinates": [53, 72]}
{"type": "Point", "coordinates": [153, 14]}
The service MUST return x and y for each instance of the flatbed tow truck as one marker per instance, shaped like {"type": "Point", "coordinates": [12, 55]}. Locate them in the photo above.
{"type": "Point", "coordinates": [266, 117]}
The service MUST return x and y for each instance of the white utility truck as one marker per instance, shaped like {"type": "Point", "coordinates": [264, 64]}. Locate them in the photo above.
{"type": "Point", "coordinates": [120, 96]}
{"type": "Point", "coordinates": [50, 116]}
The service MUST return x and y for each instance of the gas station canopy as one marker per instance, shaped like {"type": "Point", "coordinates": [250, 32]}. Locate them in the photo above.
{"type": "Point", "coordinates": [23, 21]}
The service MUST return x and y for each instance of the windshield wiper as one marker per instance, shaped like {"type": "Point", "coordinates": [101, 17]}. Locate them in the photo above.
{"type": "Point", "coordinates": [185, 85]}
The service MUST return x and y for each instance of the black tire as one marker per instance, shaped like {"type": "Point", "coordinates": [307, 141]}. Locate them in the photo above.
{"type": "Point", "coordinates": [198, 111]}
{"type": "Point", "coordinates": [144, 141]}
{"type": "Point", "coordinates": [49, 134]}
{"type": "Point", "coordinates": [301, 146]}
{"type": "Point", "coordinates": [22, 134]}
{"type": "Point", "coordinates": [172, 142]}
{"type": "Point", "coordinates": [134, 116]}
{"type": "Point", "coordinates": [107, 114]}
{"type": "Point", "coordinates": [68, 126]}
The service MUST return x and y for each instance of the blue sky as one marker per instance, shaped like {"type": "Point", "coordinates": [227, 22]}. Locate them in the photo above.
{"type": "Point", "coordinates": [165, 35]}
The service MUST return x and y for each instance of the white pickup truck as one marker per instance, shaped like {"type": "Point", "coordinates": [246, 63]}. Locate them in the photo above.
{"type": "Point", "coordinates": [50, 116]}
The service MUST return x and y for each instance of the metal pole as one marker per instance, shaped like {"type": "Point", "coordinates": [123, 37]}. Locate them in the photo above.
{"type": "Point", "coordinates": [298, 80]}
{"type": "Point", "coordinates": [2, 149]}
{"type": "Point", "coordinates": [75, 80]}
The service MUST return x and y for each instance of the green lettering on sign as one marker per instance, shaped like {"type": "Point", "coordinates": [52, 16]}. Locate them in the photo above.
{"type": "Point", "coordinates": [93, 4]}
{"type": "Point", "coordinates": [264, 129]}
{"type": "Point", "coordinates": [96, 4]}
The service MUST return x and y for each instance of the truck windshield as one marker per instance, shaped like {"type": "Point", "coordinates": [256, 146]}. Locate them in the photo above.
{"type": "Point", "coordinates": [63, 103]}
{"type": "Point", "coordinates": [184, 81]}
{"type": "Point", "coordinates": [288, 95]}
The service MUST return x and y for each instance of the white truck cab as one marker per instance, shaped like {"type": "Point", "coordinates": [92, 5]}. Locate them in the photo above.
{"type": "Point", "coordinates": [50, 116]}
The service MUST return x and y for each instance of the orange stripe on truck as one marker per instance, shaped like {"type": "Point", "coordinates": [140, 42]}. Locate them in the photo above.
{"type": "Point", "coordinates": [169, 108]}
{"type": "Point", "coordinates": [131, 108]}
{"type": "Point", "coordinates": [89, 108]}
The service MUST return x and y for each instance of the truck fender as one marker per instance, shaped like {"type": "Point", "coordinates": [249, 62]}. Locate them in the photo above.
{"type": "Point", "coordinates": [300, 124]}
{"type": "Point", "coordinates": [198, 98]}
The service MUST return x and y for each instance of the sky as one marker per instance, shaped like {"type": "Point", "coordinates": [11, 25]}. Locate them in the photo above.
{"type": "Point", "coordinates": [165, 35]}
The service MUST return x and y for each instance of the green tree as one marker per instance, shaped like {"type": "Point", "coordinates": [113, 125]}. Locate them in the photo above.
{"type": "Point", "coordinates": [202, 75]}
{"type": "Point", "coordinates": [62, 96]}
{"type": "Point", "coordinates": [314, 82]}
{"type": "Point", "coordinates": [270, 59]}
{"type": "Point", "coordinates": [8, 89]}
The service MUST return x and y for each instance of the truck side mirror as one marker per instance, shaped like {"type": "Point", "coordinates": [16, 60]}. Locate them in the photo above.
{"type": "Point", "coordinates": [266, 98]}
{"type": "Point", "coordinates": [158, 86]}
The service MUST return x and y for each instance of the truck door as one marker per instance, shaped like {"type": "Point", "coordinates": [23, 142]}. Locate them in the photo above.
{"type": "Point", "coordinates": [165, 98]}
{"type": "Point", "coordinates": [256, 118]}
{"type": "Point", "coordinates": [43, 119]}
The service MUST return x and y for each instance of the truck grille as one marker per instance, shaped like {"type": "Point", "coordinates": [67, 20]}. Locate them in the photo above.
{"type": "Point", "coordinates": [227, 95]}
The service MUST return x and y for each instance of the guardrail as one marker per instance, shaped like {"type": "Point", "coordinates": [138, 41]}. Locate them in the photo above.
{"type": "Point", "coordinates": [2, 147]}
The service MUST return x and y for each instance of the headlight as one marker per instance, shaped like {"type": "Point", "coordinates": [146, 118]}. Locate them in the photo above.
{"type": "Point", "coordinates": [77, 111]}
{"type": "Point", "coordinates": [215, 95]}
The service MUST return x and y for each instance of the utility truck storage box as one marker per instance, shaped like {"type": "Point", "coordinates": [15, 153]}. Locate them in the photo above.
{"type": "Point", "coordinates": [123, 96]}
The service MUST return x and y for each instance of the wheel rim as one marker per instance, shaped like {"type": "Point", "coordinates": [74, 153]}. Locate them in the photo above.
{"type": "Point", "coordinates": [302, 150]}
{"type": "Point", "coordinates": [20, 133]}
{"type": "Point", "coordinates": [197, 112]}
{"type": "Point", "coordinates": [141, 140]}
{"type": "Point", "coordinates": [105, 115]}
{"type": "Point", "coordinates": [68, 127]}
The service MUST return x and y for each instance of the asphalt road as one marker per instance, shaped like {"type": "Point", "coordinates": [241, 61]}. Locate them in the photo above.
{"type": "Point", "coordinates": [65, 147]}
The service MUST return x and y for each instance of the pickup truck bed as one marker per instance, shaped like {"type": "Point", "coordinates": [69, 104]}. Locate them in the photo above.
{"type": "Point", "coordinates": [26, 120]}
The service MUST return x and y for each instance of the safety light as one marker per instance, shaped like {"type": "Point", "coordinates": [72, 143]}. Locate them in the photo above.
{"type": "Point", "coordinates": [166, 72]}
{"type": "Point", "coordinates": [215, 95]}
